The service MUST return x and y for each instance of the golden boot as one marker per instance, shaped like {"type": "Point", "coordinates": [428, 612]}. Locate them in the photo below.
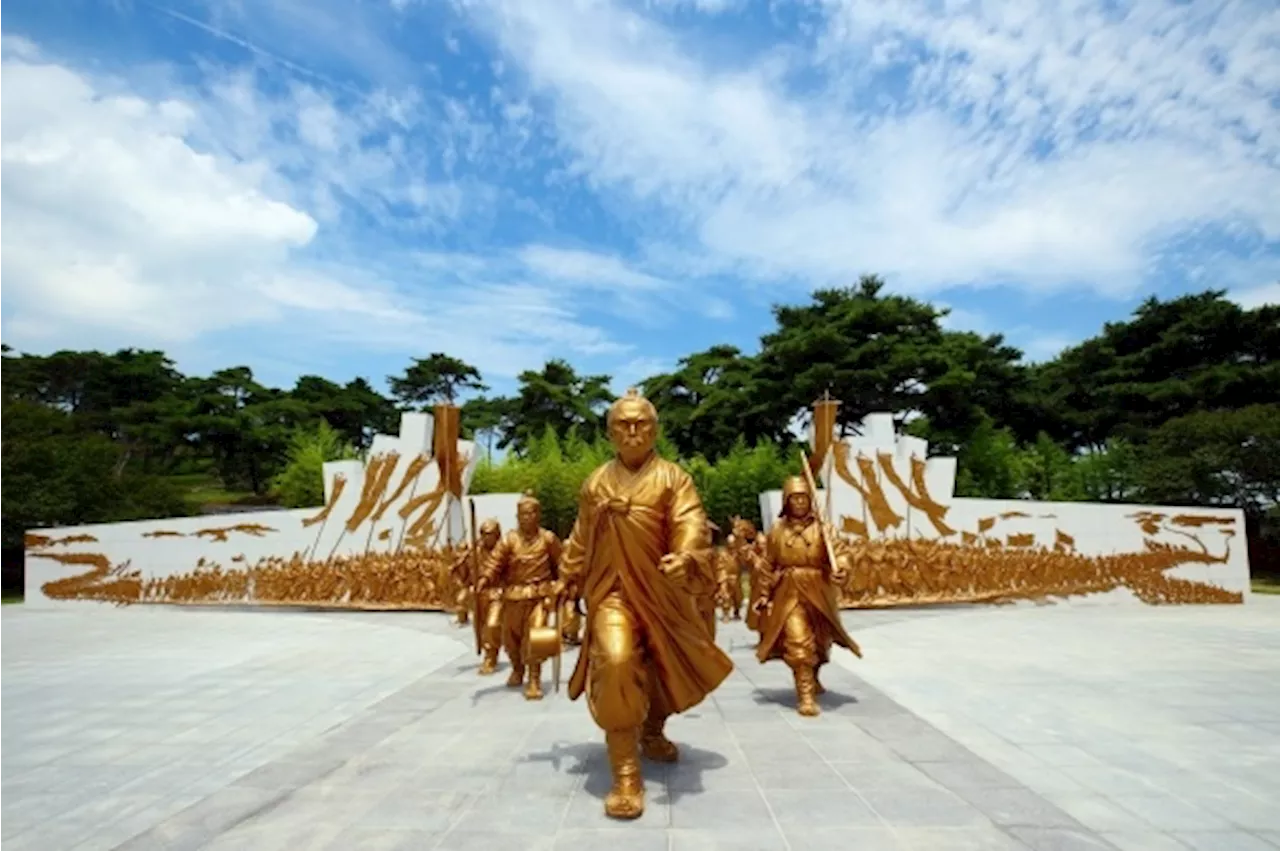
{"type": "Point", "coordinates": [626, 799]}
{"type": "Point", "coordinates": [533, 688]}
{"type": "Point", "coordinates": [517, 676]}
{"type": "Point", "coordinates": [654, 743]}
{"type": "Point", "coordinates": [806, 691]}
{"type": "Point", "coordinates": [490, 637]}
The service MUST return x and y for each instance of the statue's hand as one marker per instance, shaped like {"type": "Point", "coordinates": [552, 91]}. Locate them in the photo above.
{"type": "Point", "coordinates": [839, 577]}
{"type": "Point", "coordinates": [568, 589]}
{"type": "Point", "coordinates": [675, 566]}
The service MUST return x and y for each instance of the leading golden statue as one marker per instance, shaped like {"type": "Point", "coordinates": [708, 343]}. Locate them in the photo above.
{"type": "Point", "coordinates": [635, 555]}
{"type": "Point", "coordinates": [524, 564]}
{"type": "Point", "coordinates": [795, 598]}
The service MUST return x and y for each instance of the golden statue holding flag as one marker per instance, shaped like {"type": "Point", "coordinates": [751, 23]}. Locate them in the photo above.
{"type": "Point", "coordinates": [796, 596]}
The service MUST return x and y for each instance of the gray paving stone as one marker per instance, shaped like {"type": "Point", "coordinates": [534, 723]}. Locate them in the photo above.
{"type": "Point", "coordinates": [820, 809]}
{"type": "Point", "coordinates": [615, 839]}
{"type": "Point", "coordinates": [478, 841]}
{"type": "Point", "coordinates": [880, 775]}
{"type": "Point", "coordinates": [1143, 840]}
{"type": "Point", "coordinates": [844, 839]}
{"type": "Point", "coordinates": [968, 774]}
{"type": "Point", "coordinates": [239, 756]}
{"type": "Point", "coordinates": [1017, 808]}
{"type": "Point", "coordinates": [1166, 812]}
{"type": "Point", "coordinates": [1098, 813]}
{"type": "Point", "coordinates": [958, 839]}
{"type": "Point", "coordinates": [1232, 840]}
{"type": "Point", "coordinates": [378, 839]}
{"type": "Point", "coordinates": [1059, 839]}
{"type": "Point", "coordinates": [730, 839]}
{"type": "Point", "coordinates": [922, 807]}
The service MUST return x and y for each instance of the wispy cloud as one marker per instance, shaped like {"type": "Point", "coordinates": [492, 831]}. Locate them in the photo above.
{"type": "Point", "coordinates": [1254, 297]}
{"type": "Point", "coordinates": [616, 180]}
{"type": "Point", "coordinates": [134, 222]}
{"type": "Point", "coordinates": [1039, 145]}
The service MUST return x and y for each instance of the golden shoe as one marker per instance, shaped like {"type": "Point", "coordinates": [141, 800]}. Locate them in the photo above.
{"type": "Point", "coordinates": [626, 799]}
{"type": "Point", "coordinates": [658, 748]}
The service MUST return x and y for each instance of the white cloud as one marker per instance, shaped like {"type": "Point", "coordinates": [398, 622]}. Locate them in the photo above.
{"type": "Point", "coordinates": [960, 319]}
{"type": "Point", "coordinates": [130, 223]}
{"type": "Point", "coordinates": [1037, 144]}
{"type": "Point", "coordinates": [578, 275]}
{"type": "Point", "coordinates": [1260, 296]}
{"type": "Point", "coordinates": [116, 226]}
{"type": "Point", "coordinates": [587, 268]}
{"type": "Point", "coordinates": [1040, 346]}
{"type": "Point", "coordinates": [706, 7]}
{"type": "Point", "coordinates": [632, 372]}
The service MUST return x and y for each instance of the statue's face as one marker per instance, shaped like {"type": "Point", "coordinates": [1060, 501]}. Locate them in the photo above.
{"type": "Point", "coordinates": [530, 516]}
{"type": "Point", "coordinates": [489, 537]}
{"type": "Point", "coordinates": [633, 430]}
{"type": "Point", "coordinates": [798, 505]}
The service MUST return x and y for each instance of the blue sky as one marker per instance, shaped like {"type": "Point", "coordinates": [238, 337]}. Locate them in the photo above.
{"type": "Point", "coordinates": [333, 187]}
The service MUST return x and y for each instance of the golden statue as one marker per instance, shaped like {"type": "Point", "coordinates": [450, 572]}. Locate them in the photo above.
{"type": "Point", "coordinates": [796, 596]}
{"type": "Point", "coordinates": [747, 547]}
{"type": "Point", "coordinates": [463, 568]}
{"type": "Point", "coordinates": [524, 565]}
{"type": "Point", "coordinates": [487, 603]}
{"type": "Point", "coordinates": [728, 584]}
{"type": "Point", "coordinates": [637, 556]}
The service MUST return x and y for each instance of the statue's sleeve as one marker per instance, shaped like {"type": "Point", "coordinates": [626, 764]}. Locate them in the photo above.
{"type": "Point", "coordinates": [573, 555]}
{"type": "Point", "coordinates": [496, 561]}
{"type": "Point", "coordinates": [458, 570]}
{"type": "Point", "coordinates": [766, 564]}
{"type": "Point", "coordinates": [686, 519]}
{"type": "Point", "coordinates": [555, 552]}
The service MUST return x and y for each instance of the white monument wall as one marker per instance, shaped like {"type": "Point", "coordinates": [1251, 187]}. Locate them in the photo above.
{"type": "Point", "coordinates": [165, 547]}
{"type": "Point", "coordinates": [881, 486]}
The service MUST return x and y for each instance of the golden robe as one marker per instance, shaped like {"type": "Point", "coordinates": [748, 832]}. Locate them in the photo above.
{"type": "Point", "coordinates": [804, 619]}
{"type": "Point", "coordinates": [627, 521]}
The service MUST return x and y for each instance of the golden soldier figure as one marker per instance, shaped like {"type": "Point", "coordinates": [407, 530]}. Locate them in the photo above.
{"type": "Point", "coordinates": [796, 596]}
{"type": "Point", "coordinates": [524, 564]}
{"type": "Point", "coordinates": [747, 547]}
{"type": "Point", "coordinates": [464, 566]}
{"type": "Point", "coordinates": [634, 556]}
{"type": "Point", "coordinates": [728, 585]}
{"type": "Point", "coordinates": [488, 602]}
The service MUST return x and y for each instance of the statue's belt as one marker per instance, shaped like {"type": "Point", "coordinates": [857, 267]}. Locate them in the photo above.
{"type": "Point", "coordinates": [529, 591]}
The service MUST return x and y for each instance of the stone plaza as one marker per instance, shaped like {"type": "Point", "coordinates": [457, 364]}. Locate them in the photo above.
{"type": "Point", "coordinates": [1068, 726]}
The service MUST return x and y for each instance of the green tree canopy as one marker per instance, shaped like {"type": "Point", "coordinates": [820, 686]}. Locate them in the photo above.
{"type": "Point", "coordinates": [554, 398]}
{"type": "Point", "coordinates": [434, 379]}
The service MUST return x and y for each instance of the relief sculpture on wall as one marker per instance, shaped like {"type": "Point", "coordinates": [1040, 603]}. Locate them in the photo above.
{"type": "Point", "coordinates": [911, 543]}
{"type": "Point", "coordinates": [366, 557]}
